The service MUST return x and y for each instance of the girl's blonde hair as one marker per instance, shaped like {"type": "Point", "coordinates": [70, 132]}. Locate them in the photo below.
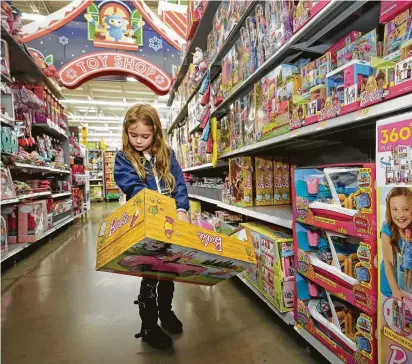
{"type": "Point", "coordinates": [146, 114]}
{"type": "Point", "coordinates": [395, 192]}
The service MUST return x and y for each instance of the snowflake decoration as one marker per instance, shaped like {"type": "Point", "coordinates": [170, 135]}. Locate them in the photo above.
{"type": "Point", "coordinates": [71, 73]}
{"type": "Point", "coordinates": [63, 40]}
{"type": "Point", "coordinates": [155, 43]}
{"type": "Point", "coordinates": [160, 79]}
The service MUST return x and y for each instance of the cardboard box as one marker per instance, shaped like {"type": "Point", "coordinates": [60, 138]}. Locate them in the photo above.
{"type": "Point", "coordinates": [241, 181]}
{"type": "Point", "coordinates": [281, 182]}
{"type": "Point", "coordinates": [264, 181]}
{"type": "Point", "coordinates": [144, 238]}
{"type": "Point", "coordinates": [273, 274]}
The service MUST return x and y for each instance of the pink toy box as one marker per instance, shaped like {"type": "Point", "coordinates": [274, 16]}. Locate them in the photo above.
{"type": "Point", "coordinates": [341, 327]}
{"type": "Point", "coordinates": [343, 265]}
{"type": "Point", "coordinates": [344, 42]}
{"type": "Point", "coordinates": [339, 198]}
{"type": "Point", "coordinates": [343, 88]}
{"type": "Point", "coordinates": [33, 222]}
{"type": "Point", "coordinates": [306, 10]}
{"type": "Point", "coordinates": [274, 273]}
{"type": "Point", "coordinates": [391, 8]}
{"type": "Point", "coordinates": [7, 190]}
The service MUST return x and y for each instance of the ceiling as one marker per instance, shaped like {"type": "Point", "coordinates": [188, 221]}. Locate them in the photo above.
{"type": "Point", "coordinates": [97, 104]}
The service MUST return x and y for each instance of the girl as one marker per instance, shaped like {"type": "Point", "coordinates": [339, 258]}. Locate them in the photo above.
{"type": "Point", "coordinates": [393, 234]}
{"type": "Point", "coordinates": [406, 254]}
{"type": "Point", "coordinates": [146, 162]}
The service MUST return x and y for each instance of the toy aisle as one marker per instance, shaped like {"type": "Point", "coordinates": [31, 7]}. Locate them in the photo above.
{"type": "Point", "coordinates": [291, 121]}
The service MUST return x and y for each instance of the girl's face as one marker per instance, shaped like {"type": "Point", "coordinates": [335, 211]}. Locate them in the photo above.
{"type": "Point", "coordinates": [140, 136]}
{"type": "Point", "coordinates": [401, 212]}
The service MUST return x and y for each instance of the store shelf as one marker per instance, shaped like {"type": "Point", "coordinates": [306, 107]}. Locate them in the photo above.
{"type": "Point", "coordinates": [287, 317]}
{"type": "Point", "coordinates": [6, 121]}
{"type": "Point", "coordinates": [280, 215]}
{"type": "Point", "coordinates": [51, 129]}
{"type": "Point", "coordinates": [353, 119]}
{"type": "Point", "coordinates": [199, 40]}
{"type": "Point", "coordinates": [24, 68]}
{"type": "Point", "coordinates": [195, 128]}
{"type": "Point", "coordinates": [13, 249]}
{"type": "Point", "coordinates": [205, 166]}
{"type": "Point", "coordinates": [322, 349]}
{"type": "Point", "coordinates": [16, 248]}
{"type": "Point", "coordinates": [63, 194]}
{"type": "Point", "coordinates": [326, 20]}
{"type": "Point", "coordinates": [34, 195]}
{"type": "Point", "coordinates": [37, 169]}
{"type": "Point", "coordinates": [9, 202]}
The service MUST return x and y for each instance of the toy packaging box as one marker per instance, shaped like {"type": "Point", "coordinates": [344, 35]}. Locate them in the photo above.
{"type": "Point", "coordinates": [274, 272]}
{"type": "Point", "coordinates": [351, 37]}
{"type": "Point", "coordinates": [7, 191]}
{"type": "Point", "coordinates": [144, 238]}
{"type": "Point", "coordinates": [33, 222]}
{"type": "Point", "coordinates": [344, 329]}
{"type": "Point", "coordinates": [281, 183]}
{"type": "Point", "coordinates": [339, 198]}
{"type": "Point", "coordinates": [394, 193]}
{"type": "Point", "coordinates": [343, 265]}
{"type": "Point", "coordinates": [397, 31]}
{"type": "Point", "coordinates": [241, 181]}
{"type": "Point", "coordinates": [390, 9]}
{"type": "Point", "coordinates": [264, 181]}
{"type": "Point", "coordinates": [306, 10]}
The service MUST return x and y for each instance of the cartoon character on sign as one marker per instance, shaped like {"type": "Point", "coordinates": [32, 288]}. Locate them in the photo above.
{"type": "Point", "coordinates": [112, 23]}
{"type": "Point", "coordinates": [169, 227]}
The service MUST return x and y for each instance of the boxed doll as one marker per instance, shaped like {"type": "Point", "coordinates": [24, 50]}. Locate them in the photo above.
{"type": "Point", "coordinates": [33, 222]}
{"type": "Point", "coordinates": [274, 272]}
{"type": "Point", "coordinates": [241, 181]}
{"type": "Point", "coordinates": [144, 238]}
{"type": "Point", "coordinates": [248, 115]}
{"type": "Point", "coordinates": [223, 135]}
{"type": "Point", "coordinates": [264, 181]}
{"type": "Point", "coordinates": [351, 37]}
{"type": "Point", "coordinates": [341, 327]}
{"type": "Point", "coordinates": [340, 198]}
{"type": "Point", "coordinates": [397, 31]}
{"type": "Point", "coordinates": [281, 181]}
{"type": "Point", "coordinates": [343, 265]}
{"type": "Point", "coordinates": [306, 10]}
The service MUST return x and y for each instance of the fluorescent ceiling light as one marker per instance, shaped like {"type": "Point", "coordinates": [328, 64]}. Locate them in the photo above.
{"type": "Point", "coordinates": [96, 118]}
{"type": "Point", "coordinates": [131, 79]}
{"type": "Point", "coordinates": [32, 16]}
{"type": "Point", "coordinates": [95, 102]}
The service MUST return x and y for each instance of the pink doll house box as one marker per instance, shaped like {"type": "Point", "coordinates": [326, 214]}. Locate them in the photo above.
{"type": "Point", "coordinates": [341, 264]}
{"type": "Point", "coordinates": [33, 222]}
{"type": "Point", "coordinates": [339, 198]}
{"type": "Point", "coordinates": [341, 327]}
{"type": "Point", "coordinates": [343, 88]}
{"type": "Point", "coordinates": [306, 10]}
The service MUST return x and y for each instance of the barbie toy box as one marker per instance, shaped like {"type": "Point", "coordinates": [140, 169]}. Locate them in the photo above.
{"type": "Point", "coordinates": [342, 264]}
{"type": "Point", "coordinates": [337, 198]}
{"type": "Point", "coordinates": [341, 327]}
{"type": "Point", "coordinates": [144, 238]}
{"type": "Point", "coordinates": [274, 272]}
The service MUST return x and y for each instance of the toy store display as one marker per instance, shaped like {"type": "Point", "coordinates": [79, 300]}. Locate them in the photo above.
{"type": "Point", "coordinates": [111, 192]}
{"type": "Point", "coordinates": [95, 158]}
{"type": "Point", "coordinates": [7, 191]}
{"type": "Point", "coordinates": [394, 198]}
{"type": "Point", "coordinates": [306, 10]}
{"type": "Point", "coordinates": [62, 209]}
{"type": "Point", "coordinates": [274, 272]}
{"type": "Point", "coordinates": [144, 238]}
{"type": "Point", "coordinates": [341, 327]}
{"type": "Point", "coordinates": [32, 221]}
{"type": "Point", "coordinates": [340, 198]}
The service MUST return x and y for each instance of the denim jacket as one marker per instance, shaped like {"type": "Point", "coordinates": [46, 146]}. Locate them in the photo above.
{"type": "Point", "coordinates": [130, 183]}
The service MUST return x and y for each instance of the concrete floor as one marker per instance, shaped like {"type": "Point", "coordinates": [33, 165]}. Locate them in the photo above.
{"type": "Point", "coordinates": [57, 309]}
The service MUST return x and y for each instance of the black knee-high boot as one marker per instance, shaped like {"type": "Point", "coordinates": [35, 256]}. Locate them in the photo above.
{"type": "Point", "coordinates": [167, 317]}
{"type": "Point", "coordinates": [151, 332]}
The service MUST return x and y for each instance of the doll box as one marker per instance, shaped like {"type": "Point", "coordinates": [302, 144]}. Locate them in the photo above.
{"type": "Point", "coordinates": [343, 329]}
{"type": "Point", "coordinates": [344, 266]}
{"type": "Point", "coordinates": [241, 181]}
{"type": "Point", "coordinates": [306, 10]}
{"type": "Point", "coordinates": [264, 181]}
{"type": "Point", "coordinates": [144, 238]}
{"type": "Point", "coordinates": [281, 182]}
{"type": "Point", "coordinates": [33, 221]}
{"type": "Point", "coordinates": [338, 198]}
{"type": "Point", "coordinates": [273, 274]}
{"type": "Point", "coordinates": [390, 9]}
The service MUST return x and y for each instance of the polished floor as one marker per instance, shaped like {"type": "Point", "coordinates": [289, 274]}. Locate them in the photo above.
{"type": "Point", "coordinates": [57, 309]}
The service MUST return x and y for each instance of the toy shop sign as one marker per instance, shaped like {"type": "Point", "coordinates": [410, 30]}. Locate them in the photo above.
{"type": "Point", "coordinates": [78, 71]}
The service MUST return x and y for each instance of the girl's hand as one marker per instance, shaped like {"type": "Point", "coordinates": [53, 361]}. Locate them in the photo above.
{"type": "Point", "coordinates": [182, 216]}
{"type": "Point", "coordinates": [398, 293]}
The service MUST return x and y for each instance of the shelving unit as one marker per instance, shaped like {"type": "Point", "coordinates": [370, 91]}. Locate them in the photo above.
{"type": "Point", "coordinates": [112, 192]}
{"type": "Point", "coordinates": [96, 175]}
{"type": "Point", "coordinates": [205, 166]}
{"type": "Point", "coordinates": [38, 169]}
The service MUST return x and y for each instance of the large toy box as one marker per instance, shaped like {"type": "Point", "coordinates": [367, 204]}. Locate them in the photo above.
{"type": "Point", "coordinates": [144, 238]}
{"type": "Point", "coordinates": [343, 265]}
{"type": "Point", "coordinates": [337, 198]}
{"type": "Point", "coordinates": [274, 272]}
{"type": "Point", "coordinates": [241, 181]}
{"type": "Point", "coordinates": [33, 222]}
{"type": "Point", "coordinates": [341, 327]}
